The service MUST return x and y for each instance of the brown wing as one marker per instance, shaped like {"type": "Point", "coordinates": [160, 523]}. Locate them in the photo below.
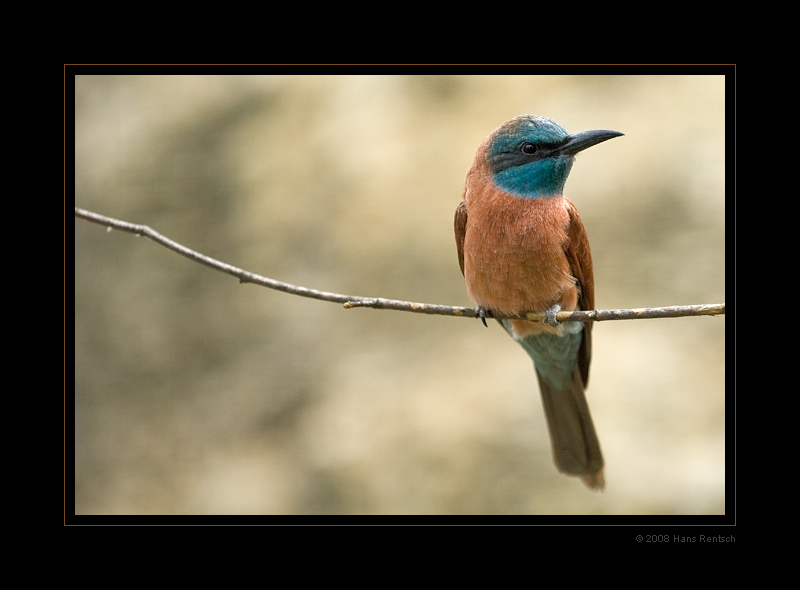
{"type": "Point", "coordinates": [460, 226]}
{"type": "Point", "coordinates": [580, 259]}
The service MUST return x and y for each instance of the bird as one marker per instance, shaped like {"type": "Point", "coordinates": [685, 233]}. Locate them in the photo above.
{"type": "Point", "coordinates": [523, 248]}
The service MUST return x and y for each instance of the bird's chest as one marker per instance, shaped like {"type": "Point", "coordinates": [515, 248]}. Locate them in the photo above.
{"type": "Point", "coordinates": [514, 258]}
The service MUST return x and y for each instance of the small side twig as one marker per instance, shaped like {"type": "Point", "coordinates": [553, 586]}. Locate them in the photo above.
{"type": "Point", "coordinates": [352, 301]}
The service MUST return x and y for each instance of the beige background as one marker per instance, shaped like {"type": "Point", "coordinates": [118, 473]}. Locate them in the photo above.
{"type": "Point", "coordinates": [197, 395]}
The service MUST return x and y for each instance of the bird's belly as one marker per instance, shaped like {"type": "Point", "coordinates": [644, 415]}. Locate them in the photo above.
{"type": "Point", "coordinates": [516, 263]}
{"type": "Point", "coordinates": [513, 285]}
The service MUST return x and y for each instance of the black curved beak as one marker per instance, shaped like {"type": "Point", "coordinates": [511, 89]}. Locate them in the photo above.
{"type": "Point", "coordinates": [577, 142]}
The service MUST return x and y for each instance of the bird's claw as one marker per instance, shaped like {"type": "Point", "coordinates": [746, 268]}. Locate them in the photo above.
{"type": "Point", "coordinates": [482, 313]}
{"type": "Point", "coordinates": [550, 316]}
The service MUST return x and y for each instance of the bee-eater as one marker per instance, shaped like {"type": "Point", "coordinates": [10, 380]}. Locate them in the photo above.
{"type": "Point", "coordinates": [522, 248]}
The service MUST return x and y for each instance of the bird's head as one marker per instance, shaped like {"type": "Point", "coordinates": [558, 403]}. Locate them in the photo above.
{"type": "Point", "coordinates": [531, 156]}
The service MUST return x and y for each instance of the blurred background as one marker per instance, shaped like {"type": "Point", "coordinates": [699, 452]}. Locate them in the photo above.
{"type": "Point", "coordinates": [198, 395]}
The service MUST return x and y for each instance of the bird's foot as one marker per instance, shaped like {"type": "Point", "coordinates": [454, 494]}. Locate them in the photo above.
{"type": "Point", "coordinates": [482, 313]}
{"type": "Point", "coordinates": [550, 316]}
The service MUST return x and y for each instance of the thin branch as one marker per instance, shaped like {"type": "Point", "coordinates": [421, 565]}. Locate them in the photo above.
{"type": "Point", "coordinates": [351, 301]}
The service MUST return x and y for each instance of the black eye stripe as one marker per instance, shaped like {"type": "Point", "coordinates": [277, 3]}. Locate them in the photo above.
{"type": "Point", "coordinates": [521, 153]}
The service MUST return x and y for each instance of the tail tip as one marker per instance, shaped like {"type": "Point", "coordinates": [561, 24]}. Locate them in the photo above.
{"type": "Point", "coordinates": [594, 481]}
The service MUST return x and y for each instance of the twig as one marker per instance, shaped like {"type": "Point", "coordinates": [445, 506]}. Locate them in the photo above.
{"type": "Point", "coordinates": [351, 301]}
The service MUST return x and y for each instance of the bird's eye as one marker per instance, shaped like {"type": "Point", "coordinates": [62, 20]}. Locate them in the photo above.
{"type": "Point", "coordinates": [529, 149]}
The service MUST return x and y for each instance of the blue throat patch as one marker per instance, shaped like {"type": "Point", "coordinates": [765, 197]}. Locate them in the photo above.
{"type": "Point", "coordinates": [542, 178]}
